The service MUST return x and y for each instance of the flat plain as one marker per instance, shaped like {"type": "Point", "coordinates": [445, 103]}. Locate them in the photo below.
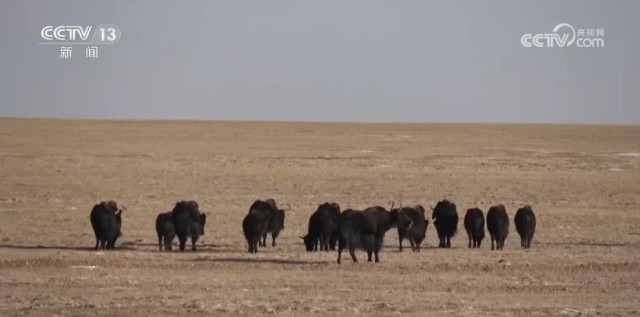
{"type": "Point", "coordinates": [583, 182]}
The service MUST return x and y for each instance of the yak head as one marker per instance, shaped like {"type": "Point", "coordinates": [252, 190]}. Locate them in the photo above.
{"type": "Point", "coordinates": [309, 242]}
{"type": "Point", "coordinates": [399, 217]}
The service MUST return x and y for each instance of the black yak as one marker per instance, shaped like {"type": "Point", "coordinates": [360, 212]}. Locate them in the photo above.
{"type": "Point", "coordinates": [417, 231]}
{"type": "Point", "coordinates": [446, 222]}
{"type": "Point", "coordinates": [474, 224]}
{"type": "Point", "coordinates": [106, 221]}
{"type": "Point", "coordinates": [366, 230]}
{"type": "Point", "coordinates": [256, 223]}
{"type": "Point", "coordinates": [498, 226]}
{"type": "Point", "coordinates": [275, 225]}
{"type": "Point", "coordinates": [323, 228]}
{"type": "Point", "coordinates": [188, 222]}
{"type": "Point", "coordinates": [165, 230]}
{"type": "Point", "coordinates": [525, 221]}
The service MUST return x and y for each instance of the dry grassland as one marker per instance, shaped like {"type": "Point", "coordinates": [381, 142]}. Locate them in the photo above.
{"type": "Point", "coordinates": [582, 181]}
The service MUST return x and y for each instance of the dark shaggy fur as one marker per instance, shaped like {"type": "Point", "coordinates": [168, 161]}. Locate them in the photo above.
{"type": "Point", "coordinates": [525, 221]}
{"type": "Point", "coordinates": [446, 222]}
{"type": "Point", "coordinates": [498, 226]}
{"type": "Point", "coordinates": [474, 224]}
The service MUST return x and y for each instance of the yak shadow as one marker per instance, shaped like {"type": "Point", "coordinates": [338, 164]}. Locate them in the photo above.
{"type": "Point", "coordinates": [131, 246]}
{"type": "Point", "coordinates": [67, 248]}
{"type": "Point", "coordinates": [209, 248]}
{"type": "Point", "coordinates": [590, 244]}
{"type": "Point", "coordinates": [258, 260]}
{"type": "Point", "coordinates": [45, 247]}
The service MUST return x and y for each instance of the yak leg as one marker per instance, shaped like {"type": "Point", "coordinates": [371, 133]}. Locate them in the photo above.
{"type": "Point", "coordinates": [167, 242]}
{"type": "Point", "coordinates": [274, 235]}
{"type": "Point", "coordinates": [194, 239]}
{"type": "Point", "coordinates": [160, 242]}
{"type": "Point", "coordinates": [413, 245]}
{"type": "Point", "coordinates": [442, 239]}
{"type": "Point", "coordinates": [376, 247]}
{"type": "Point", "coordinates": [253, 248]}
{"type": "Point", "coordinates": [492, 242]}
{"type": "Point", "coordinates": [352, 252]}
{"type": "Point", "coordinates": [340, 254]}
{"type": "Point", "coordinates": [332, 242]}
{"type": "Point", "coordinates": [250, 245]}
{"type": "Point", "coordinates": [325, 243]}
{"type": "Point", "coordinates": [183, 241]}
{"type": "Point", "coordinates": [375, 253]}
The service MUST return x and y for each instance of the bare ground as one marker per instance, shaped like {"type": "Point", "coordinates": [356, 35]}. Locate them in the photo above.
{"type": "Point", "coordinates": [582, 181]}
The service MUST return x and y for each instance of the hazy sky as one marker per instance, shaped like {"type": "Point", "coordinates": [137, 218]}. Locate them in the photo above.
{"type": "Point", "coordinates": [343, 60]}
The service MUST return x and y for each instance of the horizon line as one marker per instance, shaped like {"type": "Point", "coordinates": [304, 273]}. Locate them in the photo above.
{"type": "Point", "coordinates": [308, 121]}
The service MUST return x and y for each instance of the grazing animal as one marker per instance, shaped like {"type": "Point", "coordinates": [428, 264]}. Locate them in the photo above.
{"type": "Point", "coordinates": [188, 223]}
{"type": "Point", "coordinates": [275, 225]}
{"type": "Point", "coordinates": [417, 231]}
{"type": "Point", "coordinates": [474, 224]}
{"type": "Point", "coordinates": [106, 221]}
{"type": "Point", "coordinates": [366, 230]}
{"type": "Point", "coordinates": [323, 228]}
{"type": "Point", "coordinates": [525, 221]}
{"type": "Point", "coordinates": [166, 230]}
{"type": "Point", "coordinates": [446, 222]}
{"type": "Point", "coordinates": [498, 226]}
{"type": "Point", "coordinates": [256, 223]}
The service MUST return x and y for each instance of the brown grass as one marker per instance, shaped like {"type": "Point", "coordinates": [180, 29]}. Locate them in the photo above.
{"type": "Point", "coordinates": [585, 258]}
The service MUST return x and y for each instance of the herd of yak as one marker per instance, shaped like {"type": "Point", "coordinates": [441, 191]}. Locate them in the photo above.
{"type": "Point", "coordinates": [328, 226]}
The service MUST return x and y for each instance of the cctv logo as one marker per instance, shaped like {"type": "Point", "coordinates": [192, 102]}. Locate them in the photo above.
{"type": "Point", "coordinates": [103, 34]}
{"type": "Point", "coordinates": [65, 33]}
{"type": "Point", "coordinates": [563, 35]}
